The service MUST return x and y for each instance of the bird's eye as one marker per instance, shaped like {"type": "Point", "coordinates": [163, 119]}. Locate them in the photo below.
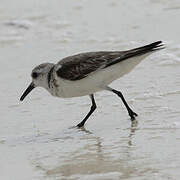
{"type": "Point", "coordinates": [34, 75]}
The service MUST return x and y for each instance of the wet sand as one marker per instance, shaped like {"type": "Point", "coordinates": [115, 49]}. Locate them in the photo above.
{"type": "Point", "coordinates": [38, 139]}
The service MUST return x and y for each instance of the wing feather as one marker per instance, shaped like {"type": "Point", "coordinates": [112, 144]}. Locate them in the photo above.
{"type": "Point", "coordinates": [81, 65]}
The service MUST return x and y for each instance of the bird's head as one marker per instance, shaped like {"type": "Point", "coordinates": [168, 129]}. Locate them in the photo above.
{"type": "Point", "coordinates": [40, 77]}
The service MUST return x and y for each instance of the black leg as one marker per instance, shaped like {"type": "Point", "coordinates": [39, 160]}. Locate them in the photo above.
{"type": "Point", "coordinates": [130, 111]}
{"type": "Point", "coordinates": [93, 107]}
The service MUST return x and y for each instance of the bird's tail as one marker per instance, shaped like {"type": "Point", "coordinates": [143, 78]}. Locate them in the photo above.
{"type": "Point", "coordinates": [144, 49]}
{"type": "Point", "coordinates": [150, 47]}
{"type": "Point", "coordinates": [137, 52]}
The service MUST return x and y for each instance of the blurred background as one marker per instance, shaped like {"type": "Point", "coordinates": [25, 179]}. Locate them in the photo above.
{"type": "Point", "coordinates": [37, 137]}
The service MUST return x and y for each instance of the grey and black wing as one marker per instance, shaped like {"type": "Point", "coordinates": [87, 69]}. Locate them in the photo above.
{"type": "Point", "coordinates": [81, 65]}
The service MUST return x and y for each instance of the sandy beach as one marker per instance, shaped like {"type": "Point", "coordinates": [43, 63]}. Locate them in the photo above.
{"type": "Point", "coordinates": [38, 140]}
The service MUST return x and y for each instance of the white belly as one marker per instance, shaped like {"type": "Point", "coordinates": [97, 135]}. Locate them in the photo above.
{"type": "Point", "coordinates": [96, 81]}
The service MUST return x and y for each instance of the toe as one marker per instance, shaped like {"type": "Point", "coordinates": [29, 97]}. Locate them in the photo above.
{"type": "Point", "coordinates": [133, 115]}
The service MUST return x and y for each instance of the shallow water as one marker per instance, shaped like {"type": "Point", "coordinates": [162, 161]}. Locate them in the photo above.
{"type": "Point", "coordinates": [37, 144]}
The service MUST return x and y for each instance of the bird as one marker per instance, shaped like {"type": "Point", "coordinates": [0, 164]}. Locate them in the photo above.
{"type": "Point", "coordinates": [89, 72]}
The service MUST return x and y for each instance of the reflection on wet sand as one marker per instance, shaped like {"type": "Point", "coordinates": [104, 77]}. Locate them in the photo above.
{"type": "Point", "coordinates": [133, 128]}
{"type": "Point", "coordinates": [95, 157]}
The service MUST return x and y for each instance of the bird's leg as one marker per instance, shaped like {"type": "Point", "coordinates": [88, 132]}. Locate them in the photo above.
{"type": "Point", "coordinates": [93, 107]}
{"type": "Point", "coordinates": [131, 113]}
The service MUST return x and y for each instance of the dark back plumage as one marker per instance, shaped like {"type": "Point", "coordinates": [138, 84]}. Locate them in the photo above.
{"type": "Point", "coordinates": [81, 65]}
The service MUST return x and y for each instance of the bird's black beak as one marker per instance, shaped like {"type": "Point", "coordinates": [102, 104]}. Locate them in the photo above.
{"type": "Point", "coordinates": [27, 91]}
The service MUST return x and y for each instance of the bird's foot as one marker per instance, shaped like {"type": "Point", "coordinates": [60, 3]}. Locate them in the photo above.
{"type": "Point", "coordinates": [80, 125]}
{"type": "Point", "coordinates": [132, 115]}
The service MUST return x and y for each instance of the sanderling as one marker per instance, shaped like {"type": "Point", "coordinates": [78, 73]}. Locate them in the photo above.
{"type": "Point", "coordinates": [86, 73]}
